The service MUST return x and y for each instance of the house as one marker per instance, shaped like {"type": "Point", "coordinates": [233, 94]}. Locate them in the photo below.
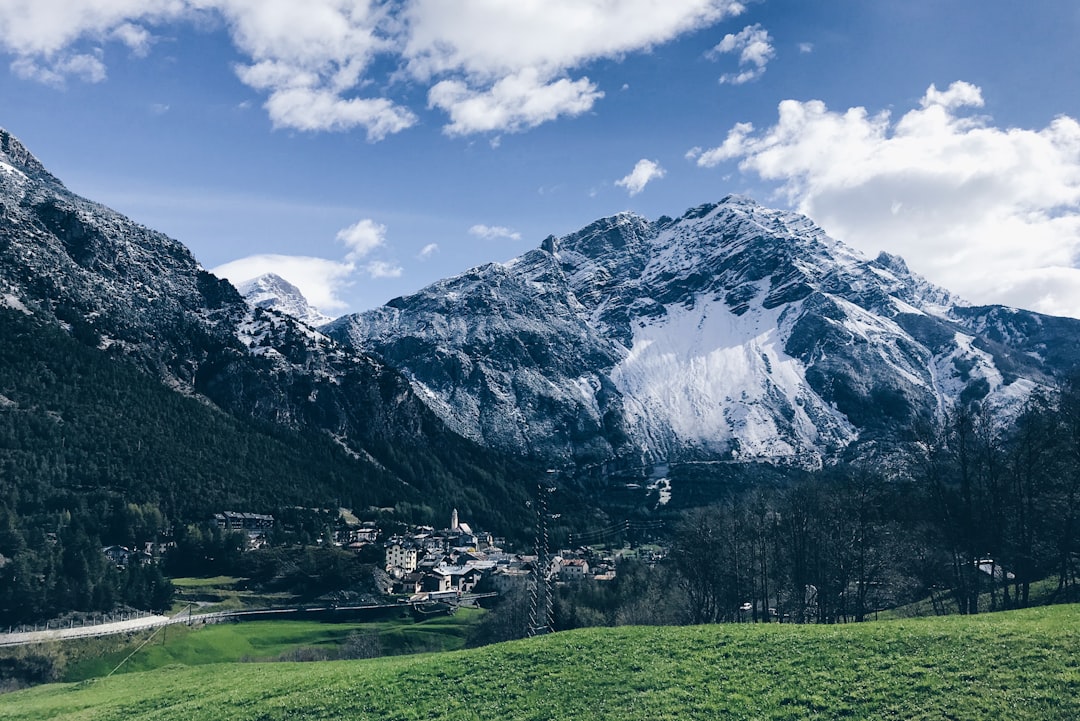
{"type": "Point", "coordinates": [404, 556]}
{"type": "Point", "coordinates": [122, 555]}
{"type": "Point", "coordinates": [994, 570]}
{"type": "Point", "coordinates": [411, 584]}
{"type": "Point", "coordinates": [117, 554]}
{"type": "Point", "coordinates": [574, 569]}
{"type": "Point", "coordinates": [436, 581]}
{"type": "Point", "coordinates": [462, 578]}
{"type": "Point", "coordinates": [250, 522]}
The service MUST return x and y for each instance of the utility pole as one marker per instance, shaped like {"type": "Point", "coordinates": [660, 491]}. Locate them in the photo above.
{"type": "Point", "coordinates": [541, 611]}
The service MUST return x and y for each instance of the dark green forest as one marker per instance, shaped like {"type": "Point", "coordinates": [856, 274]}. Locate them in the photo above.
{"type": "Point", "coordinates": [94, 452]}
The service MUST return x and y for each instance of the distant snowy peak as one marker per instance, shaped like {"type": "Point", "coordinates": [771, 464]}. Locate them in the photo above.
{"type": "Point", "coordinates": [273, 292]}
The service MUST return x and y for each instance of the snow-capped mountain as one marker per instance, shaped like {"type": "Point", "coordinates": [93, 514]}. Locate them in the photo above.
{"type": "Point", "coordinates": [733, 332]}
{"type": "Point", "coordinates": [141, 297]}
{"type": "Point", "coordinates": [273, 292]}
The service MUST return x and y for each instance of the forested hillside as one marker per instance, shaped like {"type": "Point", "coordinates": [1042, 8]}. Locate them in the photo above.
{"type": "Point", "coordinates": [94, 452]}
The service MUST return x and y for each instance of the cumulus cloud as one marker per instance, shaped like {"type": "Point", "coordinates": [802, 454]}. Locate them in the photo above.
{"type": "Point", "coordinates": [490, 66]}
{"type": "Point", "coordinates": [362, 237]}
{"type": "Point", "coordinates": [514, 103]}
{"type": "Point", "coordinates": [991, 213]}
{"type": "Point", "coordinates": [753, 44]}
{"type": "Point", "coordinates": [47, 27]}
{"type": "Point", "coordinates": [498, 56]}
{"type": "Point", "coordinates": [644, 172]}
{"type": "Point", "coordinates": [320, 280]}
{"type": "Point", "coordinates": [427, 251]}
{"type": "Point", "coordinates": [494, 232]}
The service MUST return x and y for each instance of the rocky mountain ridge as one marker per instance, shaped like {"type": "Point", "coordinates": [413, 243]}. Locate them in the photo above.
{"type": "Point", "coordinates": [734, 332]}
{"type": "Point", "coordinates": [141, 298]}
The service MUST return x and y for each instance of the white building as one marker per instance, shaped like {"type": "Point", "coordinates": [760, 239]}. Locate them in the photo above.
{"type": "Point", "coordinates": [403, 556]}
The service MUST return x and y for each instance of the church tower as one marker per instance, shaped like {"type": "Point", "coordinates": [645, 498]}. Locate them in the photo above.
{"type": "Point", "coordinates": [454, 525]}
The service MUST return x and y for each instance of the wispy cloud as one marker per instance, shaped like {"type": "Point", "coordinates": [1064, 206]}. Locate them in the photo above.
{"type": "Point", "coordinates": [427, 251]}
{"type": "Point", "coordinates": [55, 71]}
{"type": "Point", "coordinates": [382, 269]}
{"type": "Point", "coordinates": [753, 44]}
{"type": "Point", "coordinates": [494, 232]}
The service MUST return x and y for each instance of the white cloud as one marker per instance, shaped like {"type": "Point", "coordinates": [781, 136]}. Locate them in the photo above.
{"type": "Point", "coordinates": [806, 48]}
{"type": "Point", "coordinates": [514, 103]}
{"type": "Point", "coordinates": [494, 232]}
{"type": "Point", "coordinates": [754, 47]}
{"type": "Point", "coordinates": [427, 251]}
{"type": "Point", "coordinates": [504, 66]}
{"type": "Point", "coordinates": [644, 172]}
{"type": "Point", "coordinates": [991, 213]}
{"type": "Point", "coordinates": [319, 279]}
{"type": "Point", "coordinates": [362, 237]}
{"type": "Point", "coordinates": [490, 66]}
{"type": "Point", "coordinates": [383, 269]}
{"type": "Point", "coordinates": [86, 67]}
{"type": "Point", "coordinates": [137, 38]}
{"type": "Point", "coordinates": [46, 27]}
{"type": "Point", "coordinates": [312, 57]}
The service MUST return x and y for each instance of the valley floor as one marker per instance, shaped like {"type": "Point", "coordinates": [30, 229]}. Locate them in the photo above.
{"type": "Point", "coordinates": [1015, 665]}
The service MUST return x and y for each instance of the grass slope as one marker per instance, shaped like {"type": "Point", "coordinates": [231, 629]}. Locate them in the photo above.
{"type": "Point", "coordinates": [1018, 665]}
{"type": "Point", "coordinates": [269, 640]}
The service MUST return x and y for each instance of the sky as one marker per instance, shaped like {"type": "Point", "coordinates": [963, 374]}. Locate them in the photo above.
{"type": "Point", "coordinates": [363, 150]}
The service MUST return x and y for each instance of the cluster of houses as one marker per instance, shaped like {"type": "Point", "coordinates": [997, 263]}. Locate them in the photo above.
{"type": "Point", "coordinates": [422, 561]}
{"type": "Point", "coordinates": [455, 560]}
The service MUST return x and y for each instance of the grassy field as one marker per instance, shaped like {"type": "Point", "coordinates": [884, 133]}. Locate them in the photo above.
{"type": "Point", "coordinates": [1017, 665]}
{"type": "Point", "coordinates": [223, 593]}
{"type": "Point", "coordinates": [271, 641]}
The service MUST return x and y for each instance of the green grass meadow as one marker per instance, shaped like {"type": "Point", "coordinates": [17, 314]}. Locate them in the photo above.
{"type": "Point", "coordinates": [1015, 665]}
{"type": "Point", "coordinates": [267, 641]}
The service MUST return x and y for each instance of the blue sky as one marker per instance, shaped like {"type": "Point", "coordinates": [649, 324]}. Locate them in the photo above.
{"type": "Point", "coordinates": [363, 150]}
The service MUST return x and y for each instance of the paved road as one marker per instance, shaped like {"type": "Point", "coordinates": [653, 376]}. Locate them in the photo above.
{"type": "Point", "coordinates": [100, 629]}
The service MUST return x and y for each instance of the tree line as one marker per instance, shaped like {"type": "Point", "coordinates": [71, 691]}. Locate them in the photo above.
{"type": "Point", "coordinates": [976, 514]}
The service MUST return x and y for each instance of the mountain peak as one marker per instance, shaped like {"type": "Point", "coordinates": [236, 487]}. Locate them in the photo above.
{"type": "Point", "coordinates": [15, 154]}
{"type": "Point", "coordinates": [273, 292]}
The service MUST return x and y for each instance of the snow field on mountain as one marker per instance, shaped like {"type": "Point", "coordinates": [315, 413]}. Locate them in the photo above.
{"type": "Point", "coordinates": [722, 382]}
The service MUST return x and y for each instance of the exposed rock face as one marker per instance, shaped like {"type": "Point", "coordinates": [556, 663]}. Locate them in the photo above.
{"type": "Point", "coordinates": [732, 332]}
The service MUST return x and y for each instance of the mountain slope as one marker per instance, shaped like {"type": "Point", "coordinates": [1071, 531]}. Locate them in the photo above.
{"type": "Point", "coordinates": [139, 296]}
{"type": "Point", "coordinates": [733, 332]}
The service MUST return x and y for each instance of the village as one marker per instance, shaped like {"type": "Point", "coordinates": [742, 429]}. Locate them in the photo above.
{"type": "Point", "coordinates": [421, 563]}
{"type": "Point", "coordinates": [432, 563]}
